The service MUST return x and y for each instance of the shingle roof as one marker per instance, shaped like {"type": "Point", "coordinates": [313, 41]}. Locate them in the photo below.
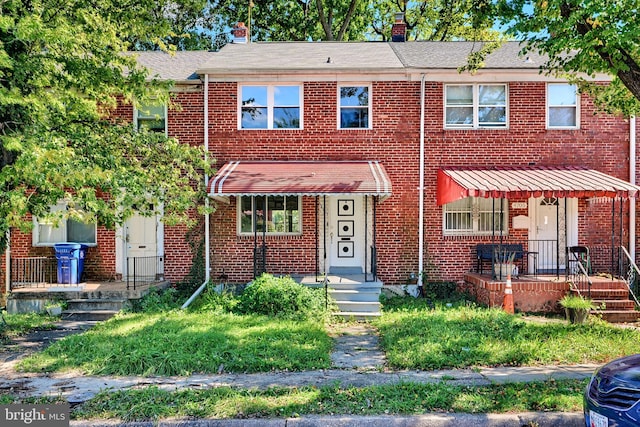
{"type": "Point", "coordinates": [180, 66]}
{"type": "Point", "coordinates": [445, 55]}
{"type": "Point", "coordinates": [261, 57]}
{"type": "Point", "coordinates": [303, 56]}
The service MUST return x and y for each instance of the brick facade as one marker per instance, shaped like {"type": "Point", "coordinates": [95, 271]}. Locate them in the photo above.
{"type": "Point", "coordinates": [601, 142]}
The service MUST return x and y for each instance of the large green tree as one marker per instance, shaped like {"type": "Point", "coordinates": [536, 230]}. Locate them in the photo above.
{"type": "Point", "coordinates": [345, 20]}
{"type": "Point", "coordinates": [579, 37]}
{"type": "Point", "coordinates": [62, 74]}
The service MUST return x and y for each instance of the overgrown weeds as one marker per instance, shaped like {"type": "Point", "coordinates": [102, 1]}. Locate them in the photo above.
{"type": "Point", "coordinates": [400, 399]}
{"type": "Point", "coordinates": [417, 335]}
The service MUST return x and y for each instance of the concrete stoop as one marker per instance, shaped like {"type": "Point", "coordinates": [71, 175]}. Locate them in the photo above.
{"type": "Point", "coordinates": [93, 309]}
{"type": "Point", "coordinates": [357, 301]}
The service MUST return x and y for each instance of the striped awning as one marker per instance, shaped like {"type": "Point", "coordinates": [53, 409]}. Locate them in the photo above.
{"type": "Point", "coordinates": [525, 182]}
{"type": "Point", "coordinates": [312, 178]}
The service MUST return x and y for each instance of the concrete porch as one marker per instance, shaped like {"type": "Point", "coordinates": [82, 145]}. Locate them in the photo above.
{"type": "Point", "coordinates": [541, 293]}
{"type": "Point", "coordinates": [85, 301]}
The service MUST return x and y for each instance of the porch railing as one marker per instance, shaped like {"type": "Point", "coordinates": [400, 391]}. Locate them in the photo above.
{"type": "Point", "coordinates": [29, 272]}
{"type": "Point", "coordinates": [632, 275]}
{"type": "Point", "coordinates": [144, 270]}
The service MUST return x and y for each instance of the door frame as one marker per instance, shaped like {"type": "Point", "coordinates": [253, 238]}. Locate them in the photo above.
{"type": "Point", "coordinates": [567, 234]}
{"type": "Point", "coordinates": [122, 250]}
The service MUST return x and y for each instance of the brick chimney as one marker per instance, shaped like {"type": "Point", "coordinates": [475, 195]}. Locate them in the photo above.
{"type": "Point", "coordinates": [239, 33]}
{"type": "Point", "coordinates": [399, 28]}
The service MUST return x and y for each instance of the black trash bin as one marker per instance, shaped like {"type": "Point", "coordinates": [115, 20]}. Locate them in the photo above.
{"type": "Point", "coordinates": [69, 260]}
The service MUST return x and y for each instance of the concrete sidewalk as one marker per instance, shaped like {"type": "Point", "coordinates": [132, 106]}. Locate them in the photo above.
{"type": "Point", "coordinates": [357, 355]}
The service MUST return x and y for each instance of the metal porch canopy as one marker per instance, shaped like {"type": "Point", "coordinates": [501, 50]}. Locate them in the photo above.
{"type": "Point", "coordinates": [306, 178]}
{"type": "Point", "coordinates": [524, 182]}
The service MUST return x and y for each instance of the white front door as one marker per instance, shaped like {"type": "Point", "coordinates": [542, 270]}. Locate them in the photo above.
{"type": "Point", "coordinates": [346, 235]}
{"type": "Point", "coordinates": [141, 243]}
{"type": "Point", "coordinates": [549, 233]}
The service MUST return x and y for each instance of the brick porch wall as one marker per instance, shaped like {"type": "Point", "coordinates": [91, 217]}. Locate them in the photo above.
{"type": "Point", "coordinates": [528, 297]}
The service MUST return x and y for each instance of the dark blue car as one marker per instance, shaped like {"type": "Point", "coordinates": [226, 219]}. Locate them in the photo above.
{"type": "Point", "coordinates": [612, 398]}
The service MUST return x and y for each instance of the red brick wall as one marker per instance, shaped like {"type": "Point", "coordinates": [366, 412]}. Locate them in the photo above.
{"type": "Point", "coordinates": [601, 143]}
{"type": "Point", "coordinates": [393, 141]}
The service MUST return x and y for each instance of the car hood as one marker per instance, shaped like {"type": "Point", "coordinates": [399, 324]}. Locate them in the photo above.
{"type": "Point", "coordinates": [621, 372]}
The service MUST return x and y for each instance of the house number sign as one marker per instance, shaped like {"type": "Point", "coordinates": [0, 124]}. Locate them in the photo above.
{"type": "Point", "coordinates": [519, 205]}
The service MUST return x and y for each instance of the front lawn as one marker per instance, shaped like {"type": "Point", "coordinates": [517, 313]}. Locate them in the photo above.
{"type": "Point", "coordinates": [416, 336]}
{"type": "Point", "coordinates": [184, 342]}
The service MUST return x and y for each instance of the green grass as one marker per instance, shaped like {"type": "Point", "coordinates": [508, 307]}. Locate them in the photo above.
{"type": "Point", "coordinates": [152, 403]}
{"type": "Point", "coordinates": [22, 324]}
{"type": "Point", "coordinates": [415, 336]}
{"type": "Point", "coordinates": [185, 342]}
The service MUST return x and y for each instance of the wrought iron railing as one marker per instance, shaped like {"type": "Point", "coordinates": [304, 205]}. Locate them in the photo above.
{"type": "Point", "coordinates": [29, 272]}
{"type": "Point", "coordinates": [631, 278]}
{"type": "Point", "coordinates": [144, 270]}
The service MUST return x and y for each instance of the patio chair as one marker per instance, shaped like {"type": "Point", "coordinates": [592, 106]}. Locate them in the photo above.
{"type": "Point", "coordinates": [580, 254]}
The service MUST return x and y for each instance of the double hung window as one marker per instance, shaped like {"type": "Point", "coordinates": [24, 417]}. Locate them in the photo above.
{"type": "Point", "coordinates": [355, 107]}
{"type": "Point", "coordinates": [562, 106]}
{"type": "Point", "coordinates": [48, 232]}
{"type": "Point", "coordinates": [152, 117]}
{"type": "Point", "coordinates": [474, 106]}
{"type": "Point", "coordinates": [270, 107]}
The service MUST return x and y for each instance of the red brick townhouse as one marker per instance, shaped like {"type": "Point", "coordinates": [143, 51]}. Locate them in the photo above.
{"type": "Point", "coordinates": [383, 161]}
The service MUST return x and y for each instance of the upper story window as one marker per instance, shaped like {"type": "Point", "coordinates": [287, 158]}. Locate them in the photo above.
{"type": "Point", "coordinates": [562, 105]}
{"type": "Point", "coordinates": [475, 106]}
{"type": "Point", "coordinates": [50, 232]}
{"type": "Point", "coordinates": [152, 116]}
{"type": "Point", "coordinates": [355, 107]}
{"type": "Point", "coordinates": [281, 214]}
{"type": "Point", "coordinates": [270, 107]}
{"type": "Point", "coordinates": [475, 216]}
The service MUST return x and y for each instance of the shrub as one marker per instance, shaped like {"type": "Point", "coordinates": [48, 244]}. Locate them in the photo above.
{"type": "Point", "coordinates": [157, 300]}
{"type": "Point", "coordinates": [213, 300]}
{"type": "Point", "coordinates": [283, 297]}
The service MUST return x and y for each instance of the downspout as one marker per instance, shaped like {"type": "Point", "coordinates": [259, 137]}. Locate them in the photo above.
{"type": "Point", "coordinates": [421, 188]}
{"type": "Point", "coordinates": [7, 260]}
{"type": "Point", "coordinates": [632, 180]}
{"type": "Point", "coordinates": [207, 243]}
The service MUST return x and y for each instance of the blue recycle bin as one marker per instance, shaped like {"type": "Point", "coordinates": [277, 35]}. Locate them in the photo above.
{"type": "Point", "coordinates": [70, 258]}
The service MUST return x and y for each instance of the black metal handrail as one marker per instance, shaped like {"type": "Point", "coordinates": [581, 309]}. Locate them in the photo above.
{"type": "Point", "coordinates": [631, 274]}
{"type": "Point", "coordinates": [144, 270]}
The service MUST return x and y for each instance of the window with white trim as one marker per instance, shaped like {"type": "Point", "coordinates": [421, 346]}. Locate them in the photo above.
{"type": "Point", "coordinates": [475, 106]}
{"type": "Point", "coordinates": [270, 107]}
{"type": "Point", "coordinates": [283, 214]}
{"type": "Point", "coordinates": [562, 106]}
{"type": "Point", "coordinates": [48, 232]}
{"type": "Point", "coordinates": [152, 116]}
{"type": "Point", "coordinates": [475, 216]}
{"type": "Point", "coordinates": [355, 107]}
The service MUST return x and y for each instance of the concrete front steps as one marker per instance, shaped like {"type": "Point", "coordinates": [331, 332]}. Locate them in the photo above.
{"type": "Point", "coordinates": [614, 298]}
{"type": "Point", "coordinates": [357, 301]}
{"type": "Point", "coordinates": [356, 298]}
{"type": "Point", "coordinates": [92, 308]}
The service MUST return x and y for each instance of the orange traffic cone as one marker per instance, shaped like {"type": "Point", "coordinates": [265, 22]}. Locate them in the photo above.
{"type": "Point", "coordinates": [507, 303]}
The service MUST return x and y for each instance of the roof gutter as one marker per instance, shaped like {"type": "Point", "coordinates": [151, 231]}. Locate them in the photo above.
{"type": "Point", "coordinates": [421, 188]}
{"type": "Point", "coordinates": [632, 180]}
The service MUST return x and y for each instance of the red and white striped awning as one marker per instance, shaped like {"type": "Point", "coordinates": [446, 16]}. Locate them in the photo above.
{"type": "Point", "coordinates": [312, 178]}
{"type": "Point", "coordinates": [525, 182]}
